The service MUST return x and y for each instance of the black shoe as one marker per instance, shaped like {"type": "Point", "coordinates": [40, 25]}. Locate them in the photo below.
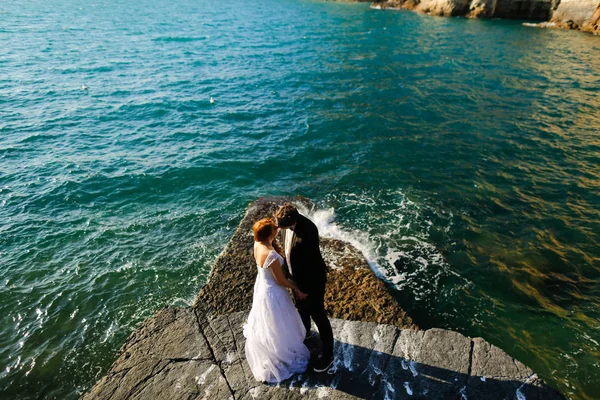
{"type": "Point", "coordinates": [308, 335]}
{"type": "Point", "coordinates": [323, 364]}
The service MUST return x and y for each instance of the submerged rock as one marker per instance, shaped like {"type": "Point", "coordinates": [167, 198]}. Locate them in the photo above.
{"type": "Point", "coordinates": [198, 352]}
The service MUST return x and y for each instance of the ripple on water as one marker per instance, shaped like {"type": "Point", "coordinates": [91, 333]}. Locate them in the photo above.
{"type": "Point", "coordinates": [465, 170]}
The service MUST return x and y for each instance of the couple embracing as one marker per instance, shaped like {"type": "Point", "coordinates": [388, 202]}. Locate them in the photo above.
{"type": "Point", "coordinates": [276, 329]}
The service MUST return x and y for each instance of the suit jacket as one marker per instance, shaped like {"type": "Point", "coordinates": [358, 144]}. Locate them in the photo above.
{"type": "Point", "coordinates": [308, 269]}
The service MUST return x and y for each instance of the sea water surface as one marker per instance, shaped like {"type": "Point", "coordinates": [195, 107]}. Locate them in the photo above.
{"type": "Point", "coordinates": [461, 156]}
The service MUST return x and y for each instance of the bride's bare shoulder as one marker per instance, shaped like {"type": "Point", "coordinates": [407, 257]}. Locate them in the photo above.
{"type": "Point", "coordinates": [261, 252]}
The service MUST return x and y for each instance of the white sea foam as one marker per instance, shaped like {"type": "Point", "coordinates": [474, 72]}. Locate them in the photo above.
{"type": "Point", "coordinates": [389, 387]}
{"type": "Point", "coordinates": [540, 24]}
{"type": "Point", "coordinates": [519, 392]}
{"type": "Point", "coordinates": [412, 365]}
{"type": "Point", "coordinates": [110, 331]}
{"type": "Point", "coordinates": [389, 394]}
{"type": "Point", "coordinates": [325, 222]}
{"type": "Point", "coordinates": [392, 232]}
{"type": "Point", "coordinates": [181, 302]}
{"type": "Point", "coordinates": [125, 267]}
{"type": "Point", "coordinates": [372, 379]}
{"type": "Point", "coordinates": [408, 389]}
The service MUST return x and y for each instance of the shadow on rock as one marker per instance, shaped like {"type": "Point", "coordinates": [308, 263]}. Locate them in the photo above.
{"type": "Point", "coordinates": [364, 373]}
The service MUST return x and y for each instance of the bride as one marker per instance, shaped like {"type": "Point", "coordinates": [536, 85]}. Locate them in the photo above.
{"type": "Point", "coordinates": [274, 331]}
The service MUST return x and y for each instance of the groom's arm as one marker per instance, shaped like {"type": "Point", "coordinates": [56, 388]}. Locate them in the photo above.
{"type": "Point", "coordinates": [313, 248]}
{"type": "Point", "coordinates": [286, 270]}
{"type": "Point", "coordinates": [311, 241]}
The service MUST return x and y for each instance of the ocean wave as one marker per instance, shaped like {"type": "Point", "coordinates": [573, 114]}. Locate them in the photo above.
{"type": "Point", "coordinates": [179, 39]}
{"type": "Point", "coordinates": [40, 137]}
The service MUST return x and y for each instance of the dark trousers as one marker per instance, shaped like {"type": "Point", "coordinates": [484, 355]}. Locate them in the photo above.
{"type": "Point", "coordinates": [314, 306]}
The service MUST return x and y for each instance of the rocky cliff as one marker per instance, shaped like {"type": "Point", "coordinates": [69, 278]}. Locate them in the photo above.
{"type": "Point", "coordinates": [570, 14]}
{"type": "Point", "coordinates": [578, 14]}
{"type": "Point", "coordinates": [198, 352]}
{"type": "Point", "coordinates": [529, 9]}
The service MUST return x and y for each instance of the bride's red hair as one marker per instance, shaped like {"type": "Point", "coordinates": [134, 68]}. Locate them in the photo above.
{"type": "Point", "coordinates": [263, 229]}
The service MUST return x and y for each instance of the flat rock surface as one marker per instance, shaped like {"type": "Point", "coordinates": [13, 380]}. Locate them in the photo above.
{"type": "Point", "coordinates": [183, 354]}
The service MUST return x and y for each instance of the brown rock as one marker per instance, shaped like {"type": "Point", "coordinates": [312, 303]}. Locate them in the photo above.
{"type": "Point", "coordinates": [578, 14]}
{"type": "Point", "coordinates": [353, 291]}
{"type": "Point", "coordinates": [593, 24]}
{"type": "Point", "coordinates": [395, 4]}
{"type": "Point", "coordinates": [444, 8]}
{"type": "Point", "coordinates": [568, 14]}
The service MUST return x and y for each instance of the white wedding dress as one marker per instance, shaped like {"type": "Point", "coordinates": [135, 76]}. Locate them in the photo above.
{"type": "Point", "coordinates": [274, 331]}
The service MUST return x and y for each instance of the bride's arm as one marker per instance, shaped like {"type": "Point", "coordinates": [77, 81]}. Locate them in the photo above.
{"type": "Point", "coordinates": [282, 280]}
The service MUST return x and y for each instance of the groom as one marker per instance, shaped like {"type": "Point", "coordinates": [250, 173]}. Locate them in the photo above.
{"type": "Point", "coordinates": [309, 271]}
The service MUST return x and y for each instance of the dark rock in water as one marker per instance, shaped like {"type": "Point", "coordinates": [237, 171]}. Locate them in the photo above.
{"type": "Point", "coordinates": [353, 291]}
{"type": "Point", "coordinates": [198, 352]}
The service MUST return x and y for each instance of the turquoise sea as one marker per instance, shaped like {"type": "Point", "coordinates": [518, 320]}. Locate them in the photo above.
{"type": "Point", "coordinates": [461, 156]}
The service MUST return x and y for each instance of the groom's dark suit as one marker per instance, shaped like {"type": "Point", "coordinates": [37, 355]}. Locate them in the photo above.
{"type": "Point", "coordinates": [309, 271]}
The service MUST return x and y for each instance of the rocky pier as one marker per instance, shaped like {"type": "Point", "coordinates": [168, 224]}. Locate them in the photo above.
{"type": "Point", "coordinates": [198, 352]}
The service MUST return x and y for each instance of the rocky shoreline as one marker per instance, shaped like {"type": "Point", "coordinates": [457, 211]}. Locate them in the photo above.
{"type": "Point", "coordinates": [198, 352]}
{"type": "Point", "coordinates": [583, 15]}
